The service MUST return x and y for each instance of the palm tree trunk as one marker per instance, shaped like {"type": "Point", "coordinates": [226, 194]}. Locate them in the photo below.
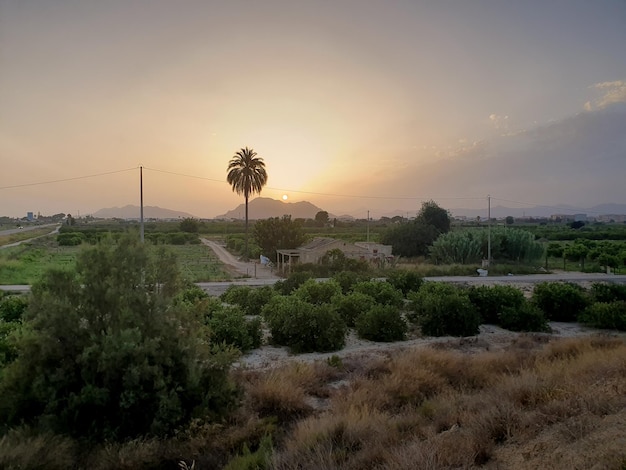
{"type": "Point", "coordinates": [245, 252]}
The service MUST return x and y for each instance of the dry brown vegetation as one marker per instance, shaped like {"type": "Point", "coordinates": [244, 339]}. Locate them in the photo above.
{"type": "Point", "coordinates": [537, 402]}
{"type": "Point", "coordinates": [555, 405]}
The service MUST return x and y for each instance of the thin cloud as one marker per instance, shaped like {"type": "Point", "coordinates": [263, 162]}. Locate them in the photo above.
{"type": "Point", "coordinates": [612, 92]}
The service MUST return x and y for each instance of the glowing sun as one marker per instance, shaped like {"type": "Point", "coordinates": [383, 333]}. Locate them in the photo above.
{"type": "Point", "coordinates": [285, 197]}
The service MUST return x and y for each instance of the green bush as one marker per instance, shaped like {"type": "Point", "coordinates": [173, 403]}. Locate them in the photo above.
{"type": "Point", "coordinates": [609, 315]}
{"type": "Point", "coordinates": [560, 301]}
{"type": "Point", "coordinates": [607, 292]}
{"type": "Point", "coordinates": [383, 292]}
{"type": "Point", "coordinates": [304, 327]}
{"type": "Point", "coordinates": [351, 305]}
{"type": "Point", "coordinates": [8, 351]}
{"type": "Point", "coordinates": [230, 326]}
{"type": "Point", "coordinates": [442, 309]}
{"type": "Point", "coordinates": [236, 295]}
{"type": "Point", "coordinates": [70, 239]}
{"type": "Point", "coordinates": [490, 301]}
{"type": "Point", "coordinates": [257, 299]}
{"type": "Point", "coordinates": [293, 281]}
{"type": "Point", "coordinates": [381, 323]}
{"type": "Point", "coordinates": [12, 307]}
{"type": "Point", "coordinates": [106, 355]}
{"type": "Point", "coordinates": [524, 317]}
{"type": "Point", "coordinates": [405, 281]}
{"type": "Point", "coordinates": [318, 293]}
{"type": "Point", "coordinates": [347, 279]}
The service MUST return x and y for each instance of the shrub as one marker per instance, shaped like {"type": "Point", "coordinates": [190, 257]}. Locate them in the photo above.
{"type": "Point", "coordinates": [525, 317]}
{"type": "Point", "coordinates": [491, 301]}
{"type": "Point", "coordinates": [383, 292]}
{"type": "Point", "coordinates": [347, 279]}
{"type": "Point", "coordinates": [610, 315]}
{"type": "Point", "coordinates": [303, 326]}
{"type": "Point", "coordinates": [236, 295]}
{"type": "Point", "coordinates": [257, 298]}
{"type": "Point", "coordinates": [292, 282]}
{"type": "Point", "coordinates": [381, 323]}
{"type": "Point", "coordinates": [605, 292]}
{"type": "Point", "coordinates": [229, 326]}
{"type": "Point", "coordinates": [441, 309]}
{"type": "Point", "coordinates": [405, 281]}
{"type": "Point", "coordinates": [560, 301]}
{"type": "Point", "coordinates": [318, 293]}
{"type": "Point", "coordinates": [70, 239]}
{"type": "Point", "coordinates": [351, 305]}
{"type": "Point", "coordinates": [12, 307]}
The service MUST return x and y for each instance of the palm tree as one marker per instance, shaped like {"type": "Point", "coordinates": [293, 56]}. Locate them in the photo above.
{"type": "Point", "coordinates": [247, 175]}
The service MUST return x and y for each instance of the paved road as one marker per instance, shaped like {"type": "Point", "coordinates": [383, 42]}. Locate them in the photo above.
{"type": "Point", "coordinates": [216, 288]}
{"type": "Point", "coordinates": [27, 229]}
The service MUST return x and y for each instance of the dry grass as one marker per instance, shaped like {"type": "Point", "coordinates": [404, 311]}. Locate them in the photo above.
{"type": "Point", "coordinates": [440, 409]}
{"type": "Point", "coordinates": [538, 403]}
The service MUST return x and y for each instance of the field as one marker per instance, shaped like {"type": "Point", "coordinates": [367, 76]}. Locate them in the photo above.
{"type": "Point", "coordinates": [24, 264]}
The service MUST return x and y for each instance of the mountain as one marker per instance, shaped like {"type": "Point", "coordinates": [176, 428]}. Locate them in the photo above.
{"type": "Point", "coordinates": [133, 212]}
{"type": "Point", "coordinates": [265, 207]}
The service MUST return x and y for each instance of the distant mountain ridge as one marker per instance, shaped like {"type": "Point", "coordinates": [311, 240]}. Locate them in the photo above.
{"type": "Point", "coordinates": [265, 208]}
{"type": "Point", "coordinates": [134, 212]}
{"type": "Point", "coordinates": [499, 212]}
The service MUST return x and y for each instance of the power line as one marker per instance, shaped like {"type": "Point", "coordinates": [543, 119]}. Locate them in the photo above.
{"type": "Point", "coordinates": [66, 179]}
{"type": "Point", "coordinates": [287, 190]}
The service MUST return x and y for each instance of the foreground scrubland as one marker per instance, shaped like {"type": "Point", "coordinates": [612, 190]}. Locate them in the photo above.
{"type": "Point", "coordinates": [538, 403]}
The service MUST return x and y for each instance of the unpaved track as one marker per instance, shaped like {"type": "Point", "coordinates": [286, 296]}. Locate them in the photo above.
{"type": "Point", "coordinates": [251, 269]}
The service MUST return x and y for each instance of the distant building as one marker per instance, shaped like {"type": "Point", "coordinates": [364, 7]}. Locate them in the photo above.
{"type": "Point", "coordinates": [29, 216]}
{"type": "Point", "coordinates": [616, 218]}
{"type": "Point", "coordinates": [313, 251]}
{"type": "Point", "coordinates": [569, 218]}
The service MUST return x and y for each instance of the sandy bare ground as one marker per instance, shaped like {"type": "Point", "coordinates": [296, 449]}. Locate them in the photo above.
{"type": "Point", "coordinates": [490, 338]}
{"type": "Point", "coordinates": [238, 268]}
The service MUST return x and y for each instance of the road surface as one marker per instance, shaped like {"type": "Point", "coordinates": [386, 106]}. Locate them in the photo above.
{"type": "Point", "coordinates": [27, 229]}
{"type": "Point", "coordinates": [252, 269]}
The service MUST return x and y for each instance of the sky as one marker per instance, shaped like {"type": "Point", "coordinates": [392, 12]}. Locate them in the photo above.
{"type": "Point", "coordinates": [354, 105]}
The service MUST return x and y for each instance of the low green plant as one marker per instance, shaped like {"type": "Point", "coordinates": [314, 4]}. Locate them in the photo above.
{"type": "Point", "coordinates": [303, 326]}
{"type": "Point", "coordinates": [229, 326]}
{"type": "Point", "coordinates": [12, 307]}
{"type": "Point", "coordinates": [351, 305]}
{"type": "Point", "coordinates": [293, 281]}
{"type": "Point", "coordinates": [490, 301]}
{"type": "Point", "coordinates": [524, 317]}
{"type": "Point", "coordinates": [442, 309]}
{"type": "Point", "coordinates": [347, 279]}
{"type": "Point", "coordinates": [383, 292]}
{"type": "Point", "coordinates": [607, 292]}
{"type": "Point", "coordinates": [382, 323]}
{"type": "Point", "coordinates": [405, 280]}
{"type": "Point", "coordinates": [560, 301]}
{"type": "Point", "coordinates": [609, 315]}
{"type": "Point", "coordinates": [317, 293]}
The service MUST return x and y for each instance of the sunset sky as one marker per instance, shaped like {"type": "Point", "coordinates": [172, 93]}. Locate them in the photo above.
{"type": "Point", "coordinates": [354, 105]}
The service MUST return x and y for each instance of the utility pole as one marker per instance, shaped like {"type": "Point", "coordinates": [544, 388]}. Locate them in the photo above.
{"type": "Point", "coordinates": [368, 227]}
{"type": "Point", "coordinates": [488, 230]}
{"type": "Point", "coordinates": [141, 203]}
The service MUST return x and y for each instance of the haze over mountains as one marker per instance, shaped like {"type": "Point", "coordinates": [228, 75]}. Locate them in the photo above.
{"type": "Point", "coordinates": [264, 208]}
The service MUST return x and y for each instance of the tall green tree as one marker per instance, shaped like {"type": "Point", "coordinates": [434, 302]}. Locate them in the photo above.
{"type": "Point", "coordinates": [278, 233]}
{"type": "Point", "coordinates": [432, 214]}
{"type": "Point", "coordinates": [247, 176]}
{"type": "Point", "coordinates": [105, 353]}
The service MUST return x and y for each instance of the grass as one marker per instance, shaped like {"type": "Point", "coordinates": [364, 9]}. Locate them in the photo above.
{"type": "Point", "coordinates": [535, 404]}
{"type": "Point", "coordinates": [24, 235]}
{"type": "Point", "coordinates": [25, 263]}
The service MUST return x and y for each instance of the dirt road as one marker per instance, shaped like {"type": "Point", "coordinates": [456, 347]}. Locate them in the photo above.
{"type": "Point", "coordinates": [252, 269]}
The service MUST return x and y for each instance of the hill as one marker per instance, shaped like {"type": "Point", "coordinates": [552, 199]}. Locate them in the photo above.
{"type": "Point", "coordinates": [265, 207]}
{"type": "Point", "coordinates": [133, 212]}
